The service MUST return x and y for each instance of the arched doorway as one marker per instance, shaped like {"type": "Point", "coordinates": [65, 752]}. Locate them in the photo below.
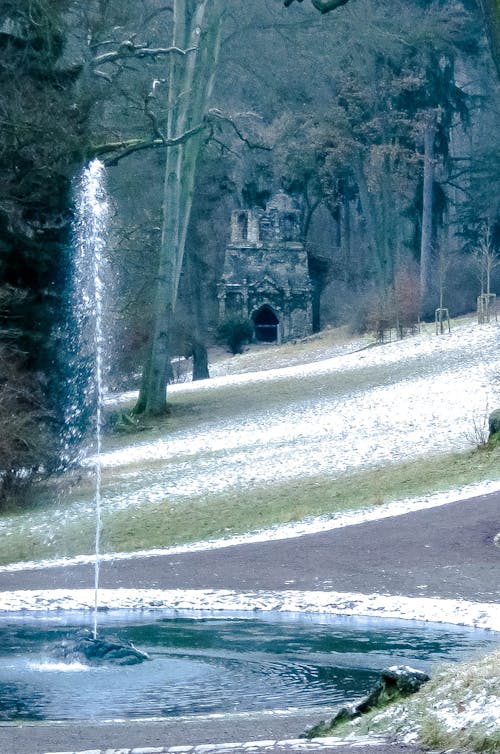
{"type": "Point", "coordinates": [266, 325]}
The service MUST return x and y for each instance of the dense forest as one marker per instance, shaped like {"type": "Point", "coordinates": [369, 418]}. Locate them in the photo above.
{"type": "Point", "coordinates": [380, 119]}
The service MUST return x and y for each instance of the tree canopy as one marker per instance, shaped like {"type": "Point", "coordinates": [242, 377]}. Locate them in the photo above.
{"type": "Point", "coordinates": [490, 10]}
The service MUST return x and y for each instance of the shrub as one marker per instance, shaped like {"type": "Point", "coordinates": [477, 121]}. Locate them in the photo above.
{"type": "Point", "coordinates": [28, 447]}
{"type": "Point", "coordinates": [235, 333]}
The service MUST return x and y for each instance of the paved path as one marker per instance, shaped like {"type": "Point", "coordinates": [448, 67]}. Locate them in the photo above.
{"type": "Point", "coordinates": [181, 736]}
{"type": "Point", "coordinates": [445, 552]}
{"type": "Point", "coordinates": [156, 736]}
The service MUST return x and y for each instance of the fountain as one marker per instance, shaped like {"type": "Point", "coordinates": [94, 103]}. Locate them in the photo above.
{"type": "Point", "coordinates": [90, 232]}
{"type": "Point", "coordinates": [51, 669]}
{"type": "Point", "coordinates": [88, 295]}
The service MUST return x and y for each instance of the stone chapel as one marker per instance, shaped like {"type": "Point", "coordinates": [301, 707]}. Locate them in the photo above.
{"type": "Point", "coordinates": [266, 278]}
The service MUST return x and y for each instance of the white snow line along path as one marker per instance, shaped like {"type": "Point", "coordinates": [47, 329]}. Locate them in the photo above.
{"type": "Point", "coordinates": [481, 615]}
{"type": "Point", "coordinates": [247, 747]}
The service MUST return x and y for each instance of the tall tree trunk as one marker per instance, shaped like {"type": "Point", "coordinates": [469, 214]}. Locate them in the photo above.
{"type": "Point", "coordinates": [345, 237]}
{"type": "Point", "coordinates": [200, 361]}
{"type": "Point", "coordinates": [376, 240]}
{"type": "Point", "coordinates": [390, 219]}
{"type": "Point", "coordinates": [491, 16]}
{"type": "Point", "coordinates": [427, 209]}
{"type": "Point", "coordinates": [197, 26]}
{"type": "Point", "coordinates": [196, 278]}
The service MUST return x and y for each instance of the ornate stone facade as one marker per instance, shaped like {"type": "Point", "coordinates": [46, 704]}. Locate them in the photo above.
{"type": "Point", "coordinates": [266, 278]}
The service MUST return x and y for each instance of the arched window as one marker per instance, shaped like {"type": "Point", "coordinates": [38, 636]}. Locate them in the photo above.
{"type": "Point", "coordinates": [242, 224]}
{"type": "Point", "coordinates": [289, 226]}
{"type": "Point", "coordinates": [266, 325]}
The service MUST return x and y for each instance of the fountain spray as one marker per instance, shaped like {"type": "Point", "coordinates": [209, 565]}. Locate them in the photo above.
{"type": "Point", "coordinates": [91, 223]}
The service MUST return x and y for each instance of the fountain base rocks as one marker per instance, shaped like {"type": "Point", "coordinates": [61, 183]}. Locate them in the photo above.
{"type": "Point", "coordinates": [394, 682]}
{"type": "Point", "coordinates": [94, 650]}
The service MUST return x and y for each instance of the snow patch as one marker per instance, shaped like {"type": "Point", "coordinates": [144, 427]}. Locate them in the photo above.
{"type": "Point", "coordinates": [453, 612]}
{"type": "Point", "coordinates": [482, 709]}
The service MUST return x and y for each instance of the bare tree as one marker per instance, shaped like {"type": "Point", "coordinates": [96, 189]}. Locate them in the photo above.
{"type": "Point", "coordinates": [197, 25]}
{"type": "Point", "coordinates": [486, 258]}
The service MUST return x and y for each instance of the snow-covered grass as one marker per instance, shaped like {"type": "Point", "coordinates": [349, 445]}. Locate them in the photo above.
{"type": "Point", "coordinates": [260, 512]}
{"type": "Point", "coordinates": [244, 451]}
{"type": "Point", "coordinates": [459, 707]}
{"type": "Point", "coordinates": [379, 405]}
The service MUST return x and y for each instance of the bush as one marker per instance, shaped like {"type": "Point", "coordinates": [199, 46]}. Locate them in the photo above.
{"type": "Point", "coordinates": [28, 446]}
{"type": "Point", "coordinates": [235, 333]}
{"type": "Point", "coordinates": [395, 310]}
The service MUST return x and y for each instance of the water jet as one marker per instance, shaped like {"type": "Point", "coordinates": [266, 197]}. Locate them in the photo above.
{"type": "Point", "coordinates": [90, 235]}
{"type": "Point", "coordinates": [88, 286]}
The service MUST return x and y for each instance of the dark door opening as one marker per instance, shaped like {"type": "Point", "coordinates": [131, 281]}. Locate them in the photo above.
{"type": "Point", "coordinates": [266, 326]}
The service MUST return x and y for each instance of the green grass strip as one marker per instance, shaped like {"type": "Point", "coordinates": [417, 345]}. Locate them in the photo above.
{"type": "Point", "coordinates": [36, 534]}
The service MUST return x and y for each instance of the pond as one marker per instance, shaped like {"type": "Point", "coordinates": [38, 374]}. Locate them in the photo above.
{"type": "Point", "coordinates": [213, 665]}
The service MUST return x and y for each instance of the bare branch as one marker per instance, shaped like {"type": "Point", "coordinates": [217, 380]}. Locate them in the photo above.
{"type": "Point", "coordinates": [103, 75]}
{"type": "Point", "coordinates": [128, 49]}
{"type": "Point", "coordinates": [129, 146]}
{"type": "Point", "coordinates": [218, 115]}
{"type": "Point", "coordinates": [324, 6]}
{"type": "Point", "coordinates": [118, 150]}
{"type": "Point", "coordinates": [151, 115]}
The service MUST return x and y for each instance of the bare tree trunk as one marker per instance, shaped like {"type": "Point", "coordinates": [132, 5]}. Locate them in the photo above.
{"type": "Point", "coordinates": [195, 270]}
{"type": "Point", "coordinates": [376, 239]}
{"type": "Point", "coordinates": [491, 16]}
{"type": "Point", "coordinates": [390, 220]}
{"type": "Point", "coordinates": [197, 26]}
{"type": "Point", "coordinates": [345, 236]}
{"type": "Point", "coordinates": [200, 361]}
{"type": "Point", "coordinates": [427, 208]}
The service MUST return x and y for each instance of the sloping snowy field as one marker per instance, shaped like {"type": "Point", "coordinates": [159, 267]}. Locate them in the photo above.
{"type": "Point", "coordinates": [399, 401]}
{"type": "Point", "coordinates": [435, 390]}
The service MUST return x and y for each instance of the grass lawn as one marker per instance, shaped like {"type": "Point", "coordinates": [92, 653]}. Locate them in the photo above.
{"type": "Point", "coordinates": [245, 510]}
{"type": "Point", "coordinates": [44, 532]}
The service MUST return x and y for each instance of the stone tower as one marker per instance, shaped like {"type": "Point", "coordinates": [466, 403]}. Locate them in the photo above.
{"type": "Point", "coordinates": [266, 278]}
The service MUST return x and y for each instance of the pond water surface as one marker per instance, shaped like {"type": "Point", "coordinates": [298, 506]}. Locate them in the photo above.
{"type": "Point", "coordinates": [214, 665]}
